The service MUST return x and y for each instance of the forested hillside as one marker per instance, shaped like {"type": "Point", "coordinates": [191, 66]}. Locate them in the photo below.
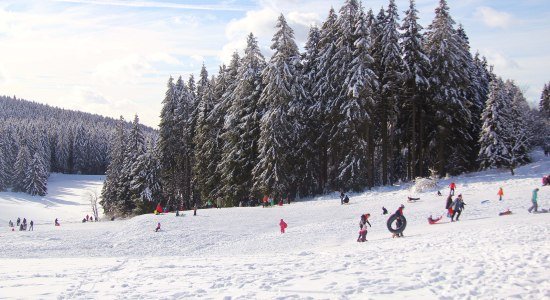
{"type": "Point", "coordinates": [36, 139]}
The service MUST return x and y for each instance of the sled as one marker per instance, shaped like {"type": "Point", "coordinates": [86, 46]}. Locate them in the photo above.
{"type": "Point", "coordinates": [434, 221]}
{"type": "Point", "coordinates": [542, 211]}
{"type": "Point", "coordinates": [505, 213]}
{"type": "Point", "coordinates": [485, 201]}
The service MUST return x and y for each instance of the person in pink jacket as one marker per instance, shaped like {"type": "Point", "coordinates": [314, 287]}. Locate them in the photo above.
{"type": "Point", "coordinates": [283, 226]}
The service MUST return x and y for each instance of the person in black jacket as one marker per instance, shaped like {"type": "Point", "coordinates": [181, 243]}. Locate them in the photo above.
{"type": "Point", "coordinates": [449, 206]}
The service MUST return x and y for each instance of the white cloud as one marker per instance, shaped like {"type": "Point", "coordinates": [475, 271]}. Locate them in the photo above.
{"type": "Point", "coordinates": [157, 4]}
{"type": "Point", "coordinates": [499, 60]}
{"type": "Point", "coordinates": [494, 18]}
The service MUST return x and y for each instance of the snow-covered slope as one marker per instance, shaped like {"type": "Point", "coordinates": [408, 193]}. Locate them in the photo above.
{"type": "Point", "coordinates": [238, 253]}
{"type": "Point", "coordinates": [66, 200]}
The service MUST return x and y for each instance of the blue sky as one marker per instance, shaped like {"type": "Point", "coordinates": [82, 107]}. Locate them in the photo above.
{"type": "Point", "coordinates": [113, 57]}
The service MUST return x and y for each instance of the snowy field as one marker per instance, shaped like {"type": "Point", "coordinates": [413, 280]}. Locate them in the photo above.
{"type": "Point", "coordinates": [238, 253]}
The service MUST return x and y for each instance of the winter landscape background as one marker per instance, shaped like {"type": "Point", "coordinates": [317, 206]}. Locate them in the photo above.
{"type": "Point", "coordinates": [369, 103]}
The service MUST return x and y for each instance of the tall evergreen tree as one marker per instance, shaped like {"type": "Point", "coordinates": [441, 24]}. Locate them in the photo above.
{"type": "Point", "coordinates": [21, 168]}
{"type": "Point", "coordinates": [412, 124]}
{"type": "Point", "coordinates": [37, 177]}
{"type": "Point", "coordinates": [242, 126]}
{"type": "Point", "coordinates": [544, 104]}
{"type": "Point", "coordinates": [272, 174]}
{"type": "Point", "coordinates": [113, 179]}
{"type": "Point", "coordinates": [145, 185]}
{"type": "Point", "coordinates": [450, 138]}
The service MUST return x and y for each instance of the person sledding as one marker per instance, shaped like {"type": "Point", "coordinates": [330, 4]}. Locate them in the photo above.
{"type": "Point", "coordinates": [432, 221]}
{"type": "Point", "coordinates": [505, 213]}
{"type": "Point", "coordinates": [363, 221]}
{"type": "Point", "coordinates": [283, 225]}
{"type": "Point", "coordinates": [56, 222]}
{"type": "Point", "coordinates": [411, 199]}
{"type": "Point", "coordinates": [158, 227]}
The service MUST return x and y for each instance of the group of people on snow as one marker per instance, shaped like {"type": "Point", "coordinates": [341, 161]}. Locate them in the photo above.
{"type": "Point", "coordinates": [89, 218]}
{"type": "Point", "coordinates": [22, 225]}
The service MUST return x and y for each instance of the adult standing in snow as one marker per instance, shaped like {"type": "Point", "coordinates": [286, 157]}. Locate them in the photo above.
{"type": "Point", "coordinates": [31, 228]}
{"type": "Point", "coordinates": [219, 203]}
{"type": "Point", "coordinates": [283, 225]}
{"type": "Point", "coordinates": [458, 206]}
{"type": "Point", "coordinates": [363, 228]}
{"type": "Point", "coordinates": [534, 201]}
{"type": "Point", "coordinates": [452, 186]}
{"type": "Point", "coordinates": [449, 206]}
{"type": "Point", "coordinates": [18, 221]}
{"type": "Point", "coordinates": [500, 194]}
{"type": "Point", "coordinates": [342, 195]}
{"type": "Point", "coordinates": [195, 209]}
{"type": "Point", "coordinates": [10, 223]}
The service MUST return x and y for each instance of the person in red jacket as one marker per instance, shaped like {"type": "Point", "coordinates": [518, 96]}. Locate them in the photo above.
{"type": "Point", "coordinates": [452, 186]}
{"type": "Point", "coordinates": [283, 226]}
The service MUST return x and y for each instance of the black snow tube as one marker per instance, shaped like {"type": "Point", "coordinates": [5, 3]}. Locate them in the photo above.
{"type": "Point", "coordinates": [400, 229]}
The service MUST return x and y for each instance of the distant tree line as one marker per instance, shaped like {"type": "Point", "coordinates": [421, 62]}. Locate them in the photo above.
{"type": "Point", "coordinates": [36, 139]}
{"type": "Point", "coordinates": [371, 101]}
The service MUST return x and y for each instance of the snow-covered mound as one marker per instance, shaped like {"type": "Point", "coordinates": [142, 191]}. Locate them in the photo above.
{"type": "Point", "coordinates": [66, 200]}
{"type": "Point", "coordinates": [239, 253]}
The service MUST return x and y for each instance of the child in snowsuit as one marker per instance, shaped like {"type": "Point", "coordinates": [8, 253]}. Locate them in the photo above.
{"type": "Point", "coordinates": [158, 227]}
{"type": "Point", "coordinates": [363, 228]}
{"type": "Point", "coordinates": [283, 226]}
{"type": "Point", "coordinates": [399, 222]}
{"type": "Point", "coordinates": [534, 201]}
{"type": "Point", "coordinates": [384, 211]}
{"type": "Point", "coordinates": [452, 186]}
{"type": "Point", "coordinates": [458, 205]}
{"type": "Point", "coordinates": [500, 194]}
{"type": "Point", "coordinates": [56, 222]}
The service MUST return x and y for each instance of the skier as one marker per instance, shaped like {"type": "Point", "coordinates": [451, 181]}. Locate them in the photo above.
{"type": "Point", "coordinates": [500, 194]}
{"type": "Point", "coordinates": [56, 222]}
{"type": "Point", "coordinates": [18, 221]}
{"type": "Point", "coordinates": [399, 222]}
{"type": "Point", "coordinates": [283, 226]}
{"type": "Point", "coordinates": [158, 227]}
{"type": "Point", "coordinates": [534, 201]}
{"type": "Point", "coordinates": [458, 206]}
{"type": "Point", "coordinates": [452, 186]}
{"type": "Point", "coordinates": [449, 206]}
{"type": "Point", "coordinates": [384, 211]}
{"type": "Point", "coordinates": [363, 228]}
{"type": "Point", "coordinates": [31, 228]}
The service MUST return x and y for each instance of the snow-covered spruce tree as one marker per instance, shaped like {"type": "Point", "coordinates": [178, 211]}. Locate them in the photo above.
{"type": "Point", "coordinates": [360, 82]}
{"type": "Point", "coordinates": [9, 149]}
{"type": "Point", "coordinates": [4, 179]}
{"type": "Point", "coordinates": [308, 178]}
{"type": "Point", "coordinates": [168, 142]}
{"type": "Point", "coordinates": [412, 124]}
{"type": "Point", "coordinates": [544, 104]}
{"type": "Point", "coordinates": [390, 97]}
{"type": "Point", "coordinates": [346, 169]}
{"type": "Point", "coordinates": [323, 89]}
{"type": "Point", "coordinates": [37, 177]}
{"type": "Point", "coordinates": [272, 174]}
{"type": "Point", "coordinates": [450, 138]}
{"type": "Point", "coordinates": [110, 192]}
{"type": "Point", "coordinates": [205, 142]}
{"type": "Point", "coordinates": [521, 126]}
{"type": "Point", "coordinates": [145, 185]}
{"type": "Point", "coordinates": [495, 136]}
{"type": "Point", "coordinates": [242, 127]}
{"type": "Point", "coordinates": [21, 168]}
